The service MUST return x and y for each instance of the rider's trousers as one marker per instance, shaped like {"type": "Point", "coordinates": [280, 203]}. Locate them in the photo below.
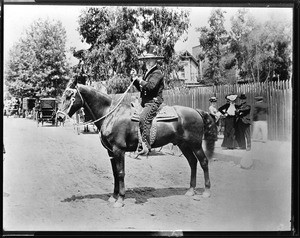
{"type": "Point", "coordinates": [147, 115]}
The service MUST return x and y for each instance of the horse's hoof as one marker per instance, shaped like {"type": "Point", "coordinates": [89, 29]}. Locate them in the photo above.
{"type": "Point", "coordinates": [112, 199]}
{"type": "Point", "coordinates": [197, 197]}
{"type": "Point", "coordinates": [118, 204]}
{"type": "Point", "coordinates": [190, 192]}
{"type": "Point", "coordinates": [206, 194]}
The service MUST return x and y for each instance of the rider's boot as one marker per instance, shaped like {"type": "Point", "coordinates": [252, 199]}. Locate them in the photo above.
{"type": "Point", "coordinates": [143, 149]}
{"type": "Point", "coordinates": [144, 146]}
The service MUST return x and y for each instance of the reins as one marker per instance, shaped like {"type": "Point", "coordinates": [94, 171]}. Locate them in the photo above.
{"type": "Point", "coordinates": [107, 114]}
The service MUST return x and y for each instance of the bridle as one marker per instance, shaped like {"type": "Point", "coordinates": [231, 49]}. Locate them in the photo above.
{"type": "Point", "coordinates": [72, 99]}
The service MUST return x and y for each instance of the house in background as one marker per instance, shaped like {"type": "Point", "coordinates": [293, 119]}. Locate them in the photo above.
{"type": "Point", "coordinates": [190, 69]}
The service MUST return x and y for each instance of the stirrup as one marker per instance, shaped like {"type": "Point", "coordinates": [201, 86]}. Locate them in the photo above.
{"type": "Point", "coordinates": [144, 151]}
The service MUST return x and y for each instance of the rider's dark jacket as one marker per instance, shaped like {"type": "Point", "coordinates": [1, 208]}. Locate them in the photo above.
{"type": "Point", "coordinates": [151, 87]}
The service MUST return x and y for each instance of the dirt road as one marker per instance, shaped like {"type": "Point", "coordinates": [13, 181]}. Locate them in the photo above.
{"type": "Point", "coordinates": [56, 180]}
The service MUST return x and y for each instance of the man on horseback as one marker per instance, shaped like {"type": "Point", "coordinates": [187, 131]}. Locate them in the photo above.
{"type": "Point", "coordinates": [151, 86]}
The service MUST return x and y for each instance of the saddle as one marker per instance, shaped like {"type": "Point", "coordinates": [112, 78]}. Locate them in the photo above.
{"type": "Point", "coordinates": [165, 113]}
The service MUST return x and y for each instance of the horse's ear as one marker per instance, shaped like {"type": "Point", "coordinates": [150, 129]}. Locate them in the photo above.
{"type": "Point", "coordinates": [72, 83]}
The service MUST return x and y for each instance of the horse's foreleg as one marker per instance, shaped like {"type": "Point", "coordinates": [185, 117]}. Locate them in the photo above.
{"type": "Point", "coordinates": [115, 195]}
{"type": "Point", "coordinates": [193, 164]}
{"type": "Point", "coordinates": [120, 167]}
{"type": "Point", "coordinates": [199, 153]}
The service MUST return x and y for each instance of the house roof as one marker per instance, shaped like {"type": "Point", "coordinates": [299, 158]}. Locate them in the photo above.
{"type": "Point", "coordinates": [188, 55]}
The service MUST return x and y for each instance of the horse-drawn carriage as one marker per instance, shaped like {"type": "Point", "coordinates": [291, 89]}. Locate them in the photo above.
{"type": "Point", "coordinates": [12, 109]}
{"type": "Point", "coordinates": [46, 111]}
{"type": "Point", "coordinates": [28, 106]}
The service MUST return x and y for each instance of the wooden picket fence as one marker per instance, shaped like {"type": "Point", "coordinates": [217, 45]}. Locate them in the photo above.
{"type": "Point", "coordinates": [278, 96]}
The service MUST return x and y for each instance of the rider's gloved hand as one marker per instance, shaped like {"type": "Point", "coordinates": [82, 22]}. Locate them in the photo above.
{"type": "Point", "coordinates": [134, 75]}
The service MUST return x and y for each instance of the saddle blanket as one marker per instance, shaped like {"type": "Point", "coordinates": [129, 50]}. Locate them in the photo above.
{"type": "Point", "coordinates": [165, 113]}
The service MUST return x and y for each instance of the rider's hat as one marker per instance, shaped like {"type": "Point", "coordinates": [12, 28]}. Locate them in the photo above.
{"type": "Point", "coordinates": [151, 53]}
{"type": "Point", "coordinates": [212, 99]}
{"type": "Point", "coordinates": [242, 96]}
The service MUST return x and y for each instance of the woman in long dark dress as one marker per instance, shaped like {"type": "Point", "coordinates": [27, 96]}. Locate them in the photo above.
{"type": "Point", "coordinates": [229, 111]}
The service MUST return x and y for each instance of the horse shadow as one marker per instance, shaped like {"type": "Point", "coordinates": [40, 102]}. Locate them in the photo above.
{"type": "Point", "coordinates": [141, 194]}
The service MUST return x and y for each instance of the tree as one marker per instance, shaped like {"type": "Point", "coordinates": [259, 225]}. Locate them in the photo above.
{"type": "Point", "coordinates": [37, 62]}
{"type": "Point", "coordinates": [276, 39]}
{"type": "Point", "coordinates": [212, 41]}
{"type": "Point", "coordinates": [240, 30]}
{"type": "Point", "coordinates": [261, 50]}
{"type": "Point", "coordinates": [111, 35]}
{"type": "Point", "coordinates": [118, 35]}
{"type": "Point", "coordinates": [163, 27]}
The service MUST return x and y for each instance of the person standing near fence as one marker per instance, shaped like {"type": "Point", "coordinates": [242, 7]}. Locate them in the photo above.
{"type": "Point", "coordinates": [243, 123]}
{"type": "Point", "coordinates": [214, 112]}
{"type": "Point", "coordinates": [229, 111]}
{"type": "Point", "coordinates": [260, 125]}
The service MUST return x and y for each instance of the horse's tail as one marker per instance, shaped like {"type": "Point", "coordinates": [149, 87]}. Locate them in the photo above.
{"type": "Point", "coordinates": [210, 132]}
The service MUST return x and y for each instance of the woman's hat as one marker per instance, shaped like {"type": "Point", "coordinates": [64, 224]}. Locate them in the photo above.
{"type": "Point", "coordinates": [150, 54]}
{"type": "Point", "coordinates": [212, 99]}
{"type": "Point", "coordinates": [242, 96]}
{"type": "Point", "coordinates": [231, 97]}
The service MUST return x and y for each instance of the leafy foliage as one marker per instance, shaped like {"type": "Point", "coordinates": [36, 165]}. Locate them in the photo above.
{"type": "Point", "coordinates": [117, 83]}
{"type": "Point", "coordinates": [261, 50]}
{"type": "Point", "coordinates": [250, 51]}
{"type": "Point", "coordinates": [37, 63]}
{"type": "Point", "coordinates": [212, 39]}
{"type": "Point", "coordinates": [118, 35]}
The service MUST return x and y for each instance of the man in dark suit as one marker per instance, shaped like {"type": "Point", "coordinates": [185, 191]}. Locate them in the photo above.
{"type": "Point", "coordinates": [151, 86]}
{"type": "Point", "coordinates": [243, 123]}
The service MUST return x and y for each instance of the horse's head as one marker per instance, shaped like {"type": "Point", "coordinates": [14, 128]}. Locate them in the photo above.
{"type": "Point", "coordinates": [71, 101]}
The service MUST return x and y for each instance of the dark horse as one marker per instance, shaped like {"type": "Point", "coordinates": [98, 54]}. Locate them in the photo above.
{"type": "Point", "coordinates": [119, 133]}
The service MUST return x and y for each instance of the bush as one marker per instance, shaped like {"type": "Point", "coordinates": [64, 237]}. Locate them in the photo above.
{"type": "Point", "coordinates": [118, 84]}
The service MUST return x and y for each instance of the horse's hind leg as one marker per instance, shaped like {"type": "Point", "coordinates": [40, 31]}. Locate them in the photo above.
{"type": "Point", "coordinates": [187, 152]}
{"type": "Point", "coordinates": [199, 153]}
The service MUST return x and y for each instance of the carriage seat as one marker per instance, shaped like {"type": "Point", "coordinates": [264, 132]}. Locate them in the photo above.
{"type": "Point", "coordinates": [165, 113]}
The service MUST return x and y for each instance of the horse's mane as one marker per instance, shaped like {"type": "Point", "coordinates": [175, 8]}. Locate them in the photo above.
{"type": "Point", "coordinates": [94, 91]}
{"type": "Point", "coordinates": [73, 82]}
{"type": "Point", "coordinates": [86, 88]}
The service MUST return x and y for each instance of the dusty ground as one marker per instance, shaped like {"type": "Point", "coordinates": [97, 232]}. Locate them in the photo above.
{"type": "Point", "coordinates": [56, 180]}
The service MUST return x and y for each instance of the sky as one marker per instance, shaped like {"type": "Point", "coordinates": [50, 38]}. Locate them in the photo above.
{"type": "Point", "coordinates": [17, 18]}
